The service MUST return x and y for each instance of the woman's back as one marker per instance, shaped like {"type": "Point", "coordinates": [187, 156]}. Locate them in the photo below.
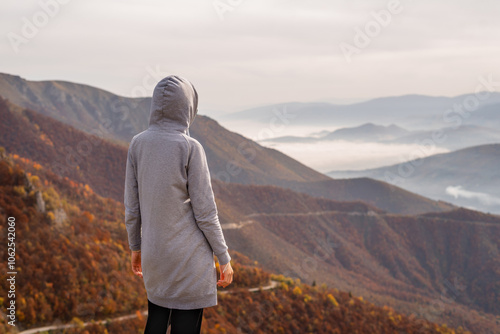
{"type": "Point", "coordinates": [168, 196]}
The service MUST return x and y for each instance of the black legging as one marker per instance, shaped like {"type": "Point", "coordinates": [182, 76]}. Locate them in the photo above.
{"type": "Point", "coordinates": [181, 321]}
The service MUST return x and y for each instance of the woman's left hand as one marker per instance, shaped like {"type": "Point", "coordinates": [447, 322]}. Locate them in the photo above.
{"type": "Point", "coordinates": [226, 275]}
{"type": "Point", "coordinates": [136, 263]}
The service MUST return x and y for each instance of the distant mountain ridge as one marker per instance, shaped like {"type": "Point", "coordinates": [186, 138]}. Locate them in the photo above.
{"type": "Point", "coordinates": [450, 137]}
{"type": "Point", "coordinates": [411, 111]}
{"type": "Point", "coordinates": [367, 132]}
{"type": "Point", "coordinates": [82, 106]}
{"type": "Point", "coordinates": [467, 177]}
{"type": "Point", "coordinates": [231, 157]}
{"type": "Point", "coordinates": [122, 117]}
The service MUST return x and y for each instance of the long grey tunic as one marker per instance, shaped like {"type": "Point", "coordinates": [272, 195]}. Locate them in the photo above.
{"type": "Point", "coordinates": [170, 211]}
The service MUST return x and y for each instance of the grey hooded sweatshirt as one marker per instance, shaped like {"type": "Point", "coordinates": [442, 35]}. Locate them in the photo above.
{"type": "Point", "coordinates": [170, 211]}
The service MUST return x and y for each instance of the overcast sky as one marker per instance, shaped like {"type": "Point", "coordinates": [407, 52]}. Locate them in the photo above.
{"type": "Point", "coordinates": [255, 52]}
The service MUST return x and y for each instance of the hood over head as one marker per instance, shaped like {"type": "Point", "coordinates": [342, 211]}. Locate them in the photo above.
{"type": "Point", "coordinates": [174, 105]}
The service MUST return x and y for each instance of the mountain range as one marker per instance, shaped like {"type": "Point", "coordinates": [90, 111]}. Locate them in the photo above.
{"type": "Point", "coordinates": [363, 235]}
{"type": "Point", "coordinates": [231, 157]}
{"type": "Point", "coordinates": [467, 177]}
{"type": "Point", "coordinates": [451, 138]}
{"type": "Point", "coordinates": [411, 111]}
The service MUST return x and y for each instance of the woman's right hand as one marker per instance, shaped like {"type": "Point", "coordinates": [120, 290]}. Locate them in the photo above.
{"type": "Point", "coordinates": [226, 275]}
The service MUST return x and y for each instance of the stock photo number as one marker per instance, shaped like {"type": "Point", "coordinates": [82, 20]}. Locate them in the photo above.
{"type": "Point", "coordinates": [11, 273]}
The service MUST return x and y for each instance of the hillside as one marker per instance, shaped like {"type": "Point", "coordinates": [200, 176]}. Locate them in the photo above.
{"type": "Point", "coordinates": [467, 177]}
{"type": "Point", "coordinates": [82, 284]}
{"type": "Point", "coordinates": [89, 159]}
{"type": "Point", "coordinates": [66, 151]}
{"type": "Point", "coordinates": [234, 158]}
{"type": "Point", "coordinates": [84, 107]}
{"type": "Point", "coordinates": [354, 247]}
{"type": "Point", "coordinates": [383, 195]}
{"type": "Point", "coordinates": [403, 261]}
{"type": "Point", "coordinates": [293, 307]}
{"type": "Point", "coordinates": [71, 248]}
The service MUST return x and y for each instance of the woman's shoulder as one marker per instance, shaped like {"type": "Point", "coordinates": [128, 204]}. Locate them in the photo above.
{"type": "Point", "coordinates": [193, 142]}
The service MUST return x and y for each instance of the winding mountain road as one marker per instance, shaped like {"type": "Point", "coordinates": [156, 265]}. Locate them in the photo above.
{"type": "Point", "coordinates": [272, 285]}
{"type": "Point", "coordinates": [232, 226]}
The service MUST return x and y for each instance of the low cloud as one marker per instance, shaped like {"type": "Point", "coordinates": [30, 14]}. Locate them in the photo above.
{"type": "Point", "coordinates": [459, 191]}
{"type": "Point", "coordinates": [343, 155]}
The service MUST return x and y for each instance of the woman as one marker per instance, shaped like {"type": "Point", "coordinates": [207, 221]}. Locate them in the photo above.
{"type": "Point", "coordinates": [171, 216]}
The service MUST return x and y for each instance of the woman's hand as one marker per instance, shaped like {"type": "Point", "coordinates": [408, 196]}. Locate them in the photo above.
{"type": "Point", "coordinates": [136, 263]}
{"type": "Point", "coordinates": [226, 275]}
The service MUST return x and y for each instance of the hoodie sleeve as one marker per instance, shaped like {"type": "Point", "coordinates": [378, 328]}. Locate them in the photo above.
{"type": "Point", "coordinates": [131, 201]}
{"type": "Point", "coordinates": [203, 202]}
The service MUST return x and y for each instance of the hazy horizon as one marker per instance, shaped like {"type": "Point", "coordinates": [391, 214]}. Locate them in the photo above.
{"type": "Point", "coordinates": [255, 53]}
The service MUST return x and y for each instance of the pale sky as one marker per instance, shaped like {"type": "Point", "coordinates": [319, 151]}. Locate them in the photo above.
{"type": "Point", "coordinates": [261, 52]}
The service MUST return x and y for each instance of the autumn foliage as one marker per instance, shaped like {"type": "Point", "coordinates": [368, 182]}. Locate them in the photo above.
{"type": "Point", "coordinates": [74, 267]}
